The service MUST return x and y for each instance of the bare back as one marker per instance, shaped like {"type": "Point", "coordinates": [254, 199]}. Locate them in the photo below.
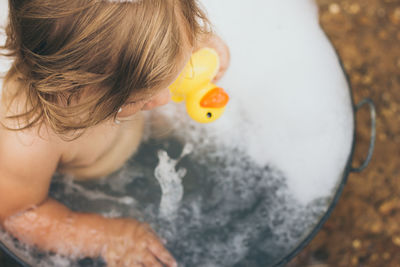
{"type": "Point", "coordinates": [102, 149]}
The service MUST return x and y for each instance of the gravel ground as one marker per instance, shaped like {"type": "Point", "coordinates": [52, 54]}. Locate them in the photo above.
{"type": "Point", "coordinates": [364, 229]}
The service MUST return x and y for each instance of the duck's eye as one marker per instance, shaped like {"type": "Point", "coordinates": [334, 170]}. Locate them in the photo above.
{"type": "Point", "coordinates": [209, 115]}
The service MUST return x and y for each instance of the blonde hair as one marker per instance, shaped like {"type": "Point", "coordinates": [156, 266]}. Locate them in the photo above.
{"type": "Point", "coordinates": [63, 47]}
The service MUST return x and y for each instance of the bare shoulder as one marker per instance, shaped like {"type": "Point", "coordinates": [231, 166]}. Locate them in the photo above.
{"type": "Point", "coordinates": [28, 158]}
{"type": "Point", "coordinates": [28, 145]}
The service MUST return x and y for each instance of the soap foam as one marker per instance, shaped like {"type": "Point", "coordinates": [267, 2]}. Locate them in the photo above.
{"type": "Point", "coordinates": [170, 181]}
{"type": "Point", "coordinates": [25, 252]}
{"type": "Point", "coordinates": [244, 206]}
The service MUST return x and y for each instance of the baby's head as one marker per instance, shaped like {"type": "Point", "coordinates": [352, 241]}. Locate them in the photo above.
{"type": "Point", "coordinates": [80, 61]}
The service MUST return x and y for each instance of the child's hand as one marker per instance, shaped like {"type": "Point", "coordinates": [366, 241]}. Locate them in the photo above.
{"type": "Point", "coordinates": [215, 42]}
{"type": "Point", "coordinates": [132, 243]}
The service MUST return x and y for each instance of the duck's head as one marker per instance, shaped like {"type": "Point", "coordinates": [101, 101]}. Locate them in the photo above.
{"type": "Point", "coordinates": [208, 104]}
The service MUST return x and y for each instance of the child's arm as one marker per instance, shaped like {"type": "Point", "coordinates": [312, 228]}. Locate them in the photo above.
{"type": "Point", "coordinates": [26, 167]}
{"type": "Point", "coordinates": [121, 242]}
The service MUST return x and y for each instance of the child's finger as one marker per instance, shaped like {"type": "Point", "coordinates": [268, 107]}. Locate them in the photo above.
{"type": "Point", "coordinates": [162, 254]}
{"type": "Point", "coordinates": [155, 246]}
{"type": "Point", "coordinates": [150, 261]}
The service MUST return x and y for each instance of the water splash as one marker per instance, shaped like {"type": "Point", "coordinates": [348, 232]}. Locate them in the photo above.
{"type": "Point", "coordinates": [170, 181]}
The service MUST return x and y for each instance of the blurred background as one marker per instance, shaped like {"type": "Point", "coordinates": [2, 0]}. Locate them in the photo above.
{"type": "Point", "coordinates": [364, 228]}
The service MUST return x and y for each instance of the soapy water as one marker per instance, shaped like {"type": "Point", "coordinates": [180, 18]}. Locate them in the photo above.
{"type": "Point", "coordinates": [243, 213]}
{"type": "Point", "coordinates": [257, 180]}
{"type": "Point", "coordinates": [232, 212]}
{"type": "Point", "coordinates": [33, 257]}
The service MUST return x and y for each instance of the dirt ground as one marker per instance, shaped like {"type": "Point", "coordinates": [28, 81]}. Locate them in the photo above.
{"type": "Point", "coordinates": [364, 229]}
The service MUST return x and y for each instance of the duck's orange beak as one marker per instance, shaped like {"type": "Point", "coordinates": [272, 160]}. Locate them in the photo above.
{"type": "Point", "coordinates": [215, 98]}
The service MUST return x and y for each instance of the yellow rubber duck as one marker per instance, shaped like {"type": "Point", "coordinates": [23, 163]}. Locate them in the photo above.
{"type": "Point", "coordinates": [205, 102]}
